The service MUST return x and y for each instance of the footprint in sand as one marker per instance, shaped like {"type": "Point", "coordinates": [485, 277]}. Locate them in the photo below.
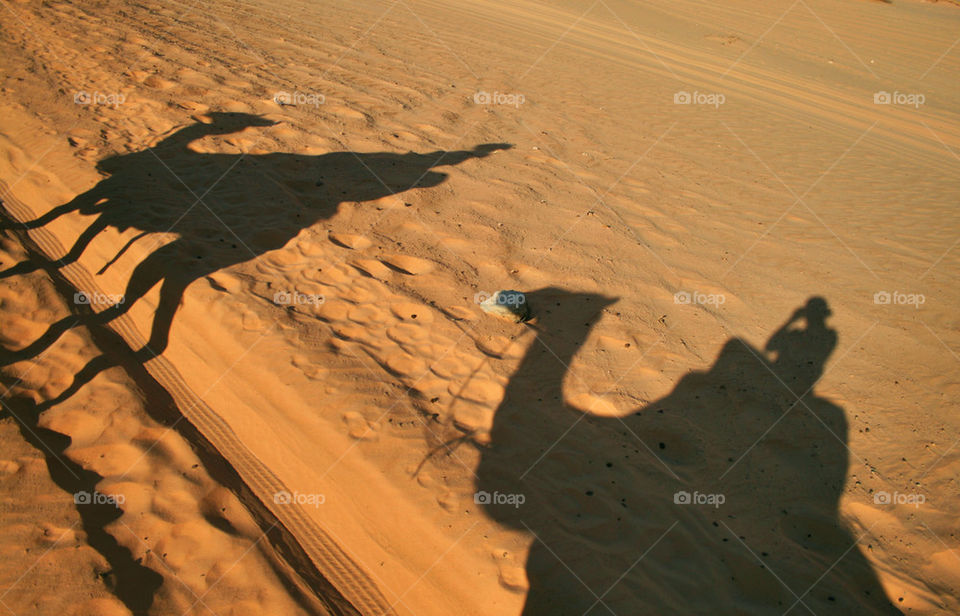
{"type": "Point", "coordinates": [310, 369]}
{"type": "Point", "coordinates": [472, 417]}
{"type": "Point", "coordinates": [407, 265]}
{"type": "Point", "coordinates": [158, 83]}
{"type": "Point", "coordinates": [359, 428]}
{"type": "Point", "coordinates": [402, 364]}
{"type": "Point", "coordinates": [372, 268]}
{"type": "Point", "coordinates": [350, 240]}
{"type": "Point", "coordinates": [479, 390]}
{"type": "Point", "coordinates": [459, 313]}
{"type": "Point", "coordinates": [367, 314]}
{"type": "Point", "coordinates": [407, 334]}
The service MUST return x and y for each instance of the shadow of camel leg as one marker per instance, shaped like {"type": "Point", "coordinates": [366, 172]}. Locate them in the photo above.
{"type": "Point", "coordinates": [171, 294]}
{"type": "Point", "coordinates": [76, 250]}
{"type": "Point", "coordinates": [24, 267]}
{"type": "Point", "coordinates": [44, 342]}
{"type": "Point", "coordinates": [86, 374]}
{"type": "Point", "coordinates": [161, 267]}
{"type": "Point", "coordinates": [81, 203]}
{"type": "Point", "coordinates": [147, 274]}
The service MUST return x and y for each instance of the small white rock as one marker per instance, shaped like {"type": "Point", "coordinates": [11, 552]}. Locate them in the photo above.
{"type": "Point", "coordinates": [510, 305]}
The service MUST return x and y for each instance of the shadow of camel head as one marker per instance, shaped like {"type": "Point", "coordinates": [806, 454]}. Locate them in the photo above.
{"type": "Point", "coordinates": [554, 310]}
{"type": "Point", "coordinates": [485, 149]}
{"type": "Point", "coordinates": [225, 122]}
{"type": "Point", "coordinates": [214, 123]}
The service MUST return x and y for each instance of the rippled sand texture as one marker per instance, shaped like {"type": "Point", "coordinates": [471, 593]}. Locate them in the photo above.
{"type": "Point", "coordinates": [244, 245]}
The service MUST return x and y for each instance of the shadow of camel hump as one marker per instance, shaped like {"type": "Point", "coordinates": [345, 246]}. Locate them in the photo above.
{"type": "Point", "coordinates": [224, 209]}
{"type": "Point", "coordinates": [680, 507]}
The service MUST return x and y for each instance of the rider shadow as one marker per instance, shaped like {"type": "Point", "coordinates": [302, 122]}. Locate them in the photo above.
{"type": "Point", "coordinates": [721, 497]}
{"type": "Point", "coordinates": [223, 208]}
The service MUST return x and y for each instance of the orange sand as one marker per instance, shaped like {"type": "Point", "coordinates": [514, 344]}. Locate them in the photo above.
{"type": "Point", "coordinates": [735, 223]}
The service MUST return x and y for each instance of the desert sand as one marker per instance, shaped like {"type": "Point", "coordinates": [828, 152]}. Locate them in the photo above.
{"type": "Point", "coordinates": [245, 369]}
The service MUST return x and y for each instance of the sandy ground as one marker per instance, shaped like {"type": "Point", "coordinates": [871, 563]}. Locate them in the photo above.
{"type": "Point", "coordinates": [244, 246]}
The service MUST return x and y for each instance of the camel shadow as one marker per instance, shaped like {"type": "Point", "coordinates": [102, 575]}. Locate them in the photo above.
{"type": "Point", "coordinates": [223, 209]}
{"type": "Point", "coordinates": [720, 498]}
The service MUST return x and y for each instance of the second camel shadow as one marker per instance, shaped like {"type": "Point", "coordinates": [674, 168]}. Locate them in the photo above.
{"type": "Point", "coordinates": [224, 209]}
{"type": "Point", "coordinates": [720, 498]}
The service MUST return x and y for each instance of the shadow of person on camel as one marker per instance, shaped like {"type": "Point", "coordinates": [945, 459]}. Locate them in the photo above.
{"type": "Point", "coordinates": [205, 212]}
{"type": "Point", "coordinates": [720, 498]}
